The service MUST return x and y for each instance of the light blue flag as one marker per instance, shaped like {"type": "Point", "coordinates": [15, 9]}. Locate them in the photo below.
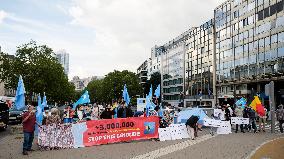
{"type": "Point", "coordinates": [44, 102]}
{"type": "Point", "coordinates": [85, 98]}
{"type": "Point", "coordinates": [150, 92]}
{"type": "Point", "coordinates": [241, 102]}
{"type": "Point", "coordinates": [161, 112]}
{"type": "Point", "coordinates": [39, 113]}
{"type": "Point", "coordinates": [115, 113]}
{"type": "Point", "coordinates": [148, 105]}
{"type": "Point", "coordinates": [125, 96]}
{"type": "Point", "coordinates": [158, 91]}
{"type": "Point", "coordinates": [20, 94]}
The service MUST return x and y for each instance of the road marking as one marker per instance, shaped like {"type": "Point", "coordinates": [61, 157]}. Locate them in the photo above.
{"type": "Point", "coordinates": [173, 148]}
{"type": "Point", "coordinates": [254, 151]}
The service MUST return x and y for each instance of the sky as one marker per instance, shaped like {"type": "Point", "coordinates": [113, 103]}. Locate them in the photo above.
{"type": "Point", "coordinates": [100, 35]}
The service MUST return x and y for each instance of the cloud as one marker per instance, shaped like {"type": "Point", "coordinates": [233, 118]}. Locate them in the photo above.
{"type": "Point", "coordinates": [103, 35]}
{"type": "Point", "coordinates": [127, 29]}
{"type": "Point", "coordinates": [3, 15]}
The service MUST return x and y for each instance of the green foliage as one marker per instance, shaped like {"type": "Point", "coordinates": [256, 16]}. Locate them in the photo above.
{"type": "Point", "coordinates": [40, 70]}
{"type": "Point", "coordinates": [111, 86]}
{"type": "Point", "coordinates": [155, 80]}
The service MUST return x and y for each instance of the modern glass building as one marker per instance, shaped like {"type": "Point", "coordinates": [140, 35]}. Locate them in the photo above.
{"type": "Point", "coordinates": [249, 48]}
{"type": "Point", "coordinates": [173, 70]}
{"type": "Point", "coordinates": [199, 66]}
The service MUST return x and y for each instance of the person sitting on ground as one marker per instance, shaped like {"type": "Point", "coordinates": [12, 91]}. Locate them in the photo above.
{"type": "Point", "coordinates": [54, 118]}
{"type": "Point", "coordinates": [191, 125]}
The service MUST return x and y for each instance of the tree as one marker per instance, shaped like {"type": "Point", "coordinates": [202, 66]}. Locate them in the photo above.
{"type": "Point", "coordinates": [40, 70]}
{"type": "Point", "coordinates": [95, 88]}
{"type": "Point", "coordinates": [111, 86]}
{"type": "Point", "coordinates": [155, 80]}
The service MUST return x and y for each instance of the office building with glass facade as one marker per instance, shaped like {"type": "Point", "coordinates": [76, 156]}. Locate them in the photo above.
{"type": "Point", "coordinates": [249, 48]}
{"type": "Point", "coordinates": [173, 70]}
{"type": "Point", "coordinates": [199, 66]}
{"type": "Point", "coordinates": [232, 55]}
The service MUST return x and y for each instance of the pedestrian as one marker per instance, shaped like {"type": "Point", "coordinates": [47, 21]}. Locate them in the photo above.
{"type": "Point", "coordinates": [261, 122]}
{"type": "Point", "coordinates": [80, 114]}
{"type": "Point", "coordinates": [191, 125]}
{"type": "Point", "coordinates": [54, 118]}
{"type": "Point", "coordinates": [228, 112]}
{"type": "Point", "coordinates": [239, 113]}
{"type": "Point", "coordinates": [107, 113]}
{"type": "Point", "coordinates": [222, 114]}
{"type": "Point", "coordinates": [29, 121]}
{"type": "Point", "coordinates": [124, 112]}
{"type": "Point", "coordinates": [252, 117]}
{"type": "Point", "coordinates": [280, 116]}
{"type": "Point", "coordinates": [95, 113]}
{"type": "Point", "coordinates": [246, 115]}
{"type": "Point", "coordinates": [45, 115]}
{"type": "Point", "coordinates": [67, 117]}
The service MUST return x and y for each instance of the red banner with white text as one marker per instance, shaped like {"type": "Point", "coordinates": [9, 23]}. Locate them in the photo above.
{"type": "Point", "coordinates": [122, 129]}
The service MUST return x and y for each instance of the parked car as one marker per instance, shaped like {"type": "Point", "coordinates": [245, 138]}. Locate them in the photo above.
{"type": "Point", "coordinates": [4, 115]}
{"type": "Point", "coordinates": [15, 116]}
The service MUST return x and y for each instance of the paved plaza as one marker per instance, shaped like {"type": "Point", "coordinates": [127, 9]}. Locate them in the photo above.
{"type": "Point", "coordinates": [235, 145]}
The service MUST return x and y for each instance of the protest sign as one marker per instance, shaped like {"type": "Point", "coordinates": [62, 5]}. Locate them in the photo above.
{"type": "Point", "coordinates": [97, 132]}
{"type": "Point", "coordinates": [239, 120]}
{"type": "Point", "coordinates": [225, 128]}
{"type": "Point", "coordinates": [217, 112]}
{"type": "Point", "coordinates": [173, 132]}
{"type": "Point", "coordinates": [122, 129]}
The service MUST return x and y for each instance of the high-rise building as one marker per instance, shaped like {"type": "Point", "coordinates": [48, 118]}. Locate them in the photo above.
{"type": "Point", "coordinates": [172, 73]}
{"type": "Point", "coordinates": [249, 48]}
{"type": "Point", "coordinates": [81, 84]}
{"type": "Point", "coordinates": [199, 63]}
{"type": "Point", "coordinates": [154, 63]}
{"type": "Point", "coordinates": [142, 72]}
{"type": "Point", "coordinates": [63, 58]}
{"type": "Point", "coordinates": [231, 56]}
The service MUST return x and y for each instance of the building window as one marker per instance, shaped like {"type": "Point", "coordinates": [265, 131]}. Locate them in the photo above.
{"type": "Point", "coordinates": [260, 15]}
{"type": "Point", "coordinates": [266, 13]}
{"type": "Point", "coordinates": [281, 52]}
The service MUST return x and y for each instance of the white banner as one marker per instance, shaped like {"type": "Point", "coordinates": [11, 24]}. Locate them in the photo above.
{"type": "Point", "coordinates": [239, 120]}
{"type": "Point", "coordinates": [225, 128]}
{"type": "Point", "coordinates": [173, 132]}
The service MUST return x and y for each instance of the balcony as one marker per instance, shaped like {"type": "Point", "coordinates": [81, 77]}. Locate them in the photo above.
{"type": "Point", "coordinates": [198, 97]}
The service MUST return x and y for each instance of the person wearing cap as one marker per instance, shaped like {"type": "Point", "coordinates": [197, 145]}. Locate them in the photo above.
{"type": "Point", "coordinates": [29, 121]}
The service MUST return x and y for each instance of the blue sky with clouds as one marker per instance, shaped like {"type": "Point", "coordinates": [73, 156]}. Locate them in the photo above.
{"type": "Point", "coordinates": [100, 35]}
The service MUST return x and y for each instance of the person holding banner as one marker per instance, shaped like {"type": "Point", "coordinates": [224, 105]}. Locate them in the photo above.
{"type": "Point", "coordinates": [239, 113]}
{"type": "Point", "coordinates": [124, 112]}
{"type": "Point", "coordinates": [107, 113]}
